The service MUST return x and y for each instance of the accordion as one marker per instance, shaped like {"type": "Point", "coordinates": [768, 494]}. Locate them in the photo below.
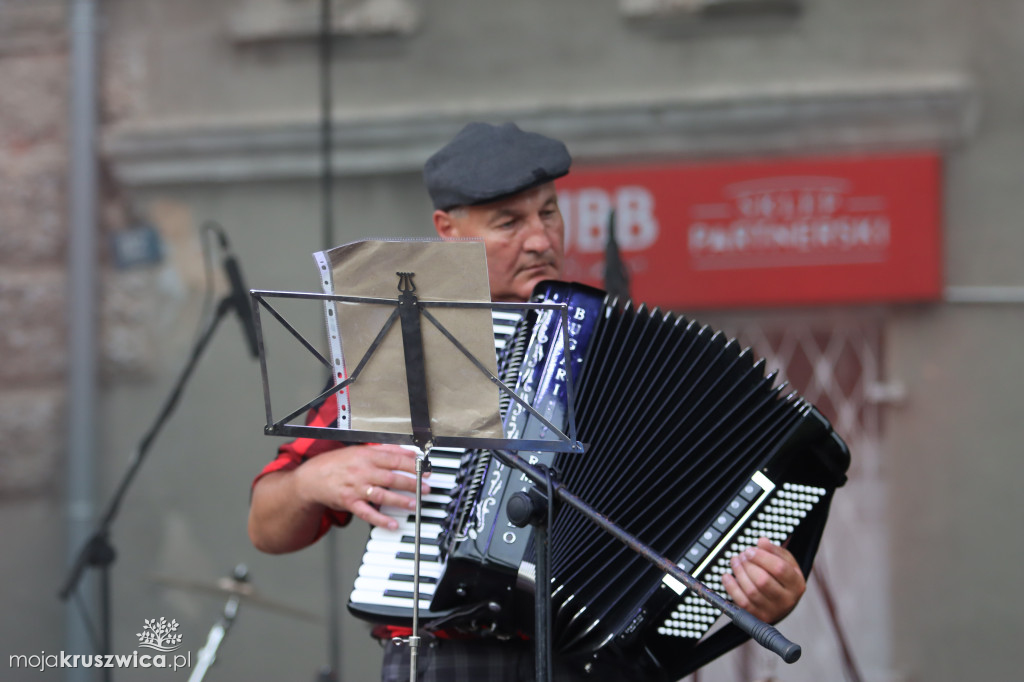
{"type": "Point", "coordinates": [691, 447]}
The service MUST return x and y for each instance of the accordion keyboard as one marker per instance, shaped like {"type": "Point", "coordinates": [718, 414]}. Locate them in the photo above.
{"type": "Point", "coordinates": [383, 589]}
{"type": "Point", "coordinates": [385, 576]}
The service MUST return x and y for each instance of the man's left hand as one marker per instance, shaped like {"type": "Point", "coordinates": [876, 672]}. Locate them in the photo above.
{"type": "Point", "coordinates": [766, 581]}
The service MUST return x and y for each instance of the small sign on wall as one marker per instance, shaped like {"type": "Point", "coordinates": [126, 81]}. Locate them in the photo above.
{"type": "Point", "coordinates": [762, 233]}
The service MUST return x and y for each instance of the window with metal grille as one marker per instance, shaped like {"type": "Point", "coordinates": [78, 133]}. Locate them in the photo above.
{"type": "Point", "coordinates": [834, 359]}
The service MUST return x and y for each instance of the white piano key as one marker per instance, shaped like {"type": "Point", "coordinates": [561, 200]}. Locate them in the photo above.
{"type": "Point", "coordinates": [401, 512]}
{"type": "Point", "coordinates": [427, 530]}
{"type": "Point", "coordinates": [447, 463]}
{"type": "Point", "coordinates": [447, 454]}
{"type": "Point", "coordinates": [361, 597]}
{"type": "Point", "coordinates": [393, 548]}
{"type": "Point", "coordinates": [439, 480]}
{"type": "Point", "coordinates": [379, 585]}
{"type": "Point", "coordinates": [428, 569]}
{"type": "Point", "coordinates": [436, 498]}
{"type": "Point", "coordinates": [435, 480]}
{"type": "Point", "coordinates": [387, 558]}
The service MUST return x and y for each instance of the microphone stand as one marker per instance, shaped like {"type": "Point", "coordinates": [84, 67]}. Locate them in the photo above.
{"type": "Point", "coordinates": [98, 551]}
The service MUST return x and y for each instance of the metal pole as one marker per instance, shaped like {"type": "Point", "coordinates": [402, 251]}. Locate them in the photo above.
{"type": "Point", "coordinates": [332, 672]}
{"type": "Point", "coordinates": [326, 125]}
{"type": "Point", "coordinates": [414, 638]}
{"type": "Point", "coordinates": [82, 309]}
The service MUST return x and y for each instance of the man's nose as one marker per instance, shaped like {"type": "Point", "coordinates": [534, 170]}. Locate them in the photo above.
{"type": "Point", "coordinates": [538, 238]}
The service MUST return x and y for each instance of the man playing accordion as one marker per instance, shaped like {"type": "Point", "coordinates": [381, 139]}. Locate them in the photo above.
{"type": "Point", "coordinates": [494, 183]}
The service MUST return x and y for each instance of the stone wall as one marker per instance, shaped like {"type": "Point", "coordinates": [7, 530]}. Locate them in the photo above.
{"type": "Point", "coordinates": [34, 342]}
{"type": "Point", "coordinates": [33, 242]}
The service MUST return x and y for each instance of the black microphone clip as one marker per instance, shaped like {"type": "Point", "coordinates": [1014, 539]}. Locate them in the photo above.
{"type": "Point", "coordinates": [239, 298]}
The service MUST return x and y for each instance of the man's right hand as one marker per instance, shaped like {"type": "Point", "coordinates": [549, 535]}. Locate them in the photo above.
{"type": "Point", "coordinates": [361, 479]}
{"type": "Point", "coordinates": [287, 506]}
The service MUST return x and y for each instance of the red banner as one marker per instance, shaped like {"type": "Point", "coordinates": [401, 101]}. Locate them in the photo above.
{"type": "Point", "coordinates": [786, 232]}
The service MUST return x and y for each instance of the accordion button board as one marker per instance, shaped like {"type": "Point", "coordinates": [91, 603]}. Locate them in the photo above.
{"type": "Point", "coordinates": [760, 510]}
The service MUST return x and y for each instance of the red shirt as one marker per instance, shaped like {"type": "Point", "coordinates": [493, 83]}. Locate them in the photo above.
{"type": "Point", "coordinates": [295, 452]}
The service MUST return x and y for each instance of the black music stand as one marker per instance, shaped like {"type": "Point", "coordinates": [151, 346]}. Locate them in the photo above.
{"type": "Point", "coordinates": [409, 309]}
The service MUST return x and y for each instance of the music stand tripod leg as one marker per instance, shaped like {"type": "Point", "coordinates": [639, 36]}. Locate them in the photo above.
{"type": "Point", "coordinates": [534, 508]}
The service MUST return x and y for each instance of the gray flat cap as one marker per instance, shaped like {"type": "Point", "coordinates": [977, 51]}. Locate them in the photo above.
{"type": "Point", "coordinates": [484, 163]}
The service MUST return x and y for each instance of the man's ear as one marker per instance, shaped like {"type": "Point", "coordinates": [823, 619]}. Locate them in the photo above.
{"type": "Point", "coordinates": [444, 225]}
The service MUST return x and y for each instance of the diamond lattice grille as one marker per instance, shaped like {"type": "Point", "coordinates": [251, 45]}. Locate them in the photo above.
{"type": "Point", "coordinates": [834, 365]}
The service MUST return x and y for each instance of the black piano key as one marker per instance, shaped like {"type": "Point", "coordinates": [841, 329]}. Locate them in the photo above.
{"type": "Point", "coordinates": [402, 595]}
{"type": "Point", "coordinates": [423, 541]}
{"type": "Point", "coordinates": [408, 578]}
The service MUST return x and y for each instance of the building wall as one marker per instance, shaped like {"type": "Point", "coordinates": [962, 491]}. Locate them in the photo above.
{"type": "Point", "coordinates": [951, 450]}
{"type": "Point", "coordinates": [33, 347]}
{"type": "Point", "coordinates": [209, 118]}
